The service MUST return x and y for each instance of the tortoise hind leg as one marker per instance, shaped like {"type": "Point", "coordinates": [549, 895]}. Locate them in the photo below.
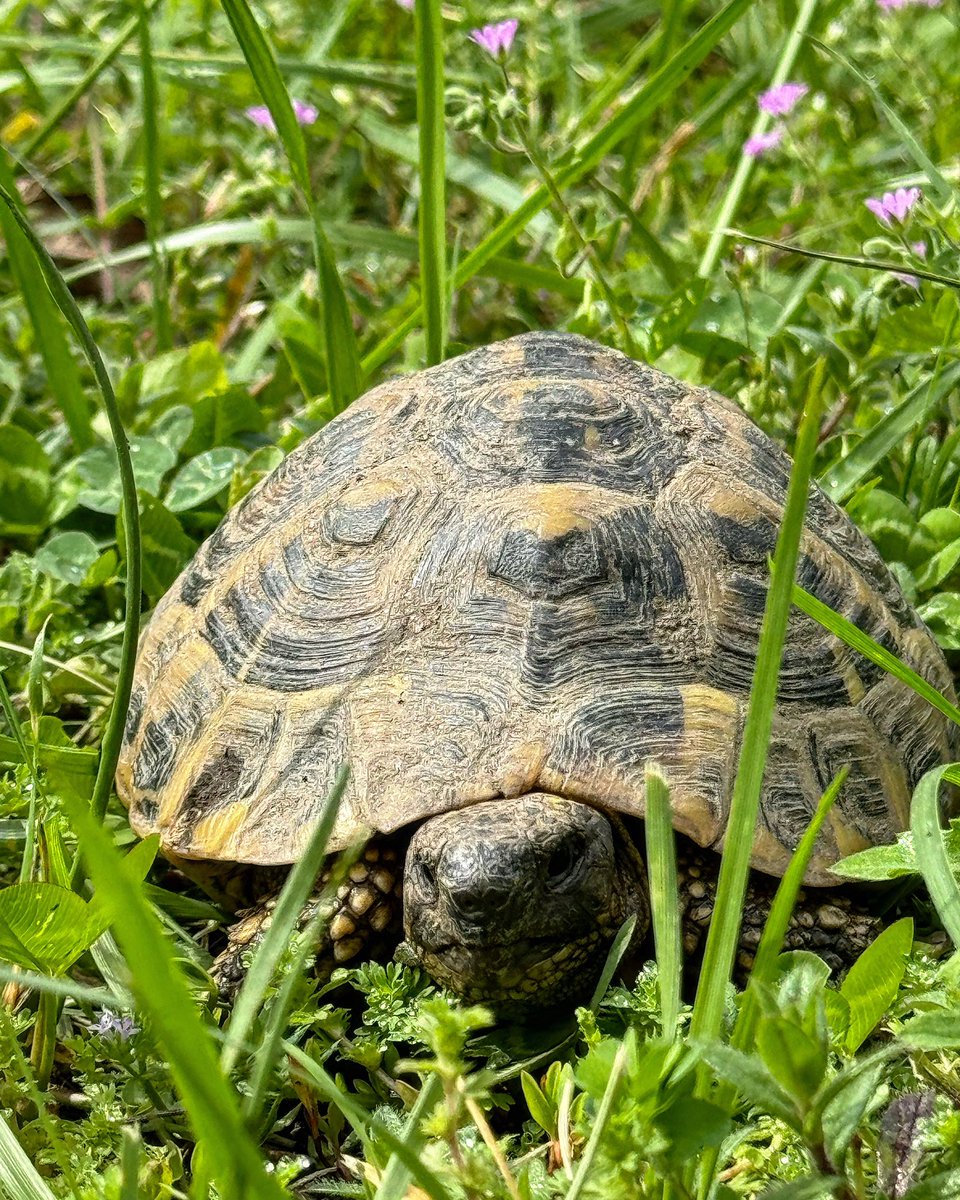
{"type": "Point", "coordinates": [833, 925]}
{"type": "Point", "coordinates": [363, 918]}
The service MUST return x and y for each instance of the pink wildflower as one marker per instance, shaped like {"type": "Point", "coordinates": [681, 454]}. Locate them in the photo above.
{"type": "Point", "coordinates": [893, 206]}
{"type": "Point", "coordinates": [496, 39]}
{"type": "Point", "coordinates": [407, 4]}
{"type": "Point", "coordinates": [889, 4]}
{"type": "Point", "coordinates": [919, 249]}
{"type": "Point", "coordinates": [760, 143]}
{"type": "Point", "coordinates": [781, 99]}
{"type": "Point", "coordinates": [260, 115]}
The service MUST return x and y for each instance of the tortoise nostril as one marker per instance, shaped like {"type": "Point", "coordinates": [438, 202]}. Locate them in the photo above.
{"type": "Point", "coordinates": [425, 879]}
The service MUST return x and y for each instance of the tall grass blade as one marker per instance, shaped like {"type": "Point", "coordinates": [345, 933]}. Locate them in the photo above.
{"type": "Point", "coordinates": [343, 360]}
{"type": "Point", "coordinates": [19, 1178]}
{"type": "Point", "coordinates": [738, 842]}
{"type": "Point", "coordinates": [604, 1110]}
{"type": "Point", "coordinates": [930, 850]}
{"type": "Point", "coordinates": [153, 172]}
{"type": "Point", "coordinates": [292, 898]}
{"type": "Point", "coordinates": [63, 376]}
{"type": "Point", "coordinates": [664, 902]}
{"type": "Point", "coordinates": [395, 1179]}
{"type": "Point", "coordinates": [635, 111]}
{"type": "Point", "coordinates": [432, 130]}
{"type": "Point", "coordinates": [939, 185]}
{"type": "Point", "coordinates": [857, 640]}
{"type": "Point", "coordinates": [764, 965]}
{"type": "Point", "coordinates": [69, 102]}
{"type": "Point", "coordinates": [912, 413]}
{"type": "Point", "coordinates": [741, 175]}
{"type": "Point", "coordinates": [110, 746]}
{"type": "Point", "coordinates": [165, 1000]}
{"type": "Point", "coordinates": [366, 1125]}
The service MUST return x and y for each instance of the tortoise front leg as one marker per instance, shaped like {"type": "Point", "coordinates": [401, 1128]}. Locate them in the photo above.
{"type": "Point", "coordinates": [363, 919]}
{"type": "Point", "coordinates": [831, 924]}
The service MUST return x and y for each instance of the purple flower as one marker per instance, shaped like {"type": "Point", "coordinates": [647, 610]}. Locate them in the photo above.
{"type": "Point", "coordinates": [893, 206]}
{"type": "Point", "coordinates": [260, 115]}
{"type": "Point", "coordinates": [110, 1023]}
{"type": "Point", "coordinates": [892, 3]}
{"type": "Point", "coordinates": [919, 249]}
{"type": "Point", "coordinates": [760, 143]}
{"type": "Point", "coordinates": [781, 99]}
{"type": "Point", "coordinates": [496, 39]}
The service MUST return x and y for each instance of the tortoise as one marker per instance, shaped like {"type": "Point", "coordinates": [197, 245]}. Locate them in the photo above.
{"type": "Point", "coordinates": [498, 589]}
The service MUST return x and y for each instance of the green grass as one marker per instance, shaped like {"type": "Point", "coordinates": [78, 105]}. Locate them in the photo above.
{"type": "Point", "coordinates": [261, 280]}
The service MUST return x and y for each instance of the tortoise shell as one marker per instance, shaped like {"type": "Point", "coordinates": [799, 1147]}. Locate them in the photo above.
{"type": "Point", "coordinates": [535, 567]}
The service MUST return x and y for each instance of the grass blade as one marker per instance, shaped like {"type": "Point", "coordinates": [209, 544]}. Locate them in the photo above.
{"type": "Point", "coordinates": [364, 1123]}
{"type": "Point", "coordinates": [395, 1178]}
{"type": "Point", "coordinates": [664, 908]}
{"type": "Point", "coordinates": [940, 186]}
{"type": "Point", "coordinates": [292, 898]}
{"type": "Point", "coordinates": [930, 850]}
{"type": "Point", "coordinates": [638, 109]}
{"type": "Point", "coordinates": [152, 164]}
{"type": "Point", "coordinates": [738, 842]}
{"type": "Point", "coordinates": [343, 362]}
{"type": "Point", "coordinates": [18, 1176]}
{"type": "Point", "coordinates": [110, 746]}
{"type": "Point", "coordinates": [857, 640]}
{"type": "Point", "coordinates": [431, 124]}
{"type": "Point", "coordinates": [164, 998]}
{"type": "Point", "coordinates": [604, 1111]}
{"type": "Point", "coordinates": [83, 85]}
{"type": "Point", "coordinates": [734, 192]}
{"type": "Point", "coordinates": [63, 376]}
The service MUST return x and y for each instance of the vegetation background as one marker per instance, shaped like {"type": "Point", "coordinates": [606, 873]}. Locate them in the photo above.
{"type": "Point", "coordinates": [252, 215]}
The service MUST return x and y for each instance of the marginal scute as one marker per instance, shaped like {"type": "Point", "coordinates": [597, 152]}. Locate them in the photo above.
{"type": "Point", "coordinates": [538, 567]}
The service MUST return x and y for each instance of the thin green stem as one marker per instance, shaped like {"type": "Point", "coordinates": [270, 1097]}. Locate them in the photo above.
{"type": "Point", "coordinates": [110, 746]}
{"type": "Point", "coordinates": [734, 193]}
{"type": "Point", "coordinates": [44, 1038]}
{"type": "Point", "coordinates": [152, 164]}
{"type": "Point", "coordinates": [432, 138]}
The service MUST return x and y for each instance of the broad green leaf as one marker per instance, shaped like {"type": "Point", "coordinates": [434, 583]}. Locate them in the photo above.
{"type": "Point", "coordinates": [925, 815]}
{"type": "Point", "coordinates": [203, 477]}
{"type": "Point", "coordinates": [874, 980]}
{"type": "Point", "coordinates": [67, 556]}
{"type": "Point", "coordinates": [92, 479]}
{"type": "Point", "coordinates": [674, 316]}
{"type": "Point", "coordinates": [752, 1080]}
{"type": "Point", "coordinates": [813, 1187]}
{"type": "Point", "coordinates": [932, 1031]}
{"type": "Point", "coordinates": [46, 927]}
{"type": "Point", "coordinates": [843, 1115]}
{"type": "Point", "coordinates": [690, 1125]}
{"type": "Point", "coordinates": [879, 863]}
{"type": "Point", "coordinates": [944, 1185]}
{"type": "Point", "coordinates": [540, 1107]}
{"type": "Point", "coordinates": [182, 376]}
{"type": "Point", "coordinates": [793, 1057]}
{"type": "Point", "coordinates": [24, 482]}
{"type": "Point", "coordinates": [173, 426]}
{"type": "Point", "coordinates": [942, 613]}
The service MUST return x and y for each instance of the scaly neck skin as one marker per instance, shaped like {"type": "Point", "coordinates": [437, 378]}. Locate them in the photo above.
{"type": "Point", "coordinates": [516, 901]}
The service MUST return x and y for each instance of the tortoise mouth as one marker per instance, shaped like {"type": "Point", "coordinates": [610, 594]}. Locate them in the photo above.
{"type": "Point", "coordinates": [532, 972]}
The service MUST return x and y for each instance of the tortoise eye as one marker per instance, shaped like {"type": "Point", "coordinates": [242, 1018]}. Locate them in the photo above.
{"type": "Point", "coordinates": [563, 861]}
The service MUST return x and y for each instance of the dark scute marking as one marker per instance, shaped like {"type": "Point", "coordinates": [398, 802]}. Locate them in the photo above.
{"type": "Point", "coordinates": [147, 808]}
{"type": "Point", "coordinates": [785, 808]}
{"type": "Point", "coordinates": [746, 542]}
{"type": "Point", "coordinates": [194, 586]}
{"type": "Point", "coordinates": [134, 716]}
{"type": "Point", "coordinates": [546, 353]}
{"type": "Point", "coordinates": [548, 568]}
{"type": "Point", "coordinates": [809, 671]}
{"type": "Point", "coordinates": [862, 801]}
{"type": "Point", "coordinates": [215, 785]}
{"type": "Point", "coordinates": [358, 524]}
{"type": "Point", "coordinates": [163, 741]}
{"type": "Point", "coordinates": [233, 631]}
{"type": "Point", "coordinates": [626, 729]}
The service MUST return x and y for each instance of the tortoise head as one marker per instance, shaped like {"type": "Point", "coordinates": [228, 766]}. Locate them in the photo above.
{"type": "Point", "coordinates": [516, 902]}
